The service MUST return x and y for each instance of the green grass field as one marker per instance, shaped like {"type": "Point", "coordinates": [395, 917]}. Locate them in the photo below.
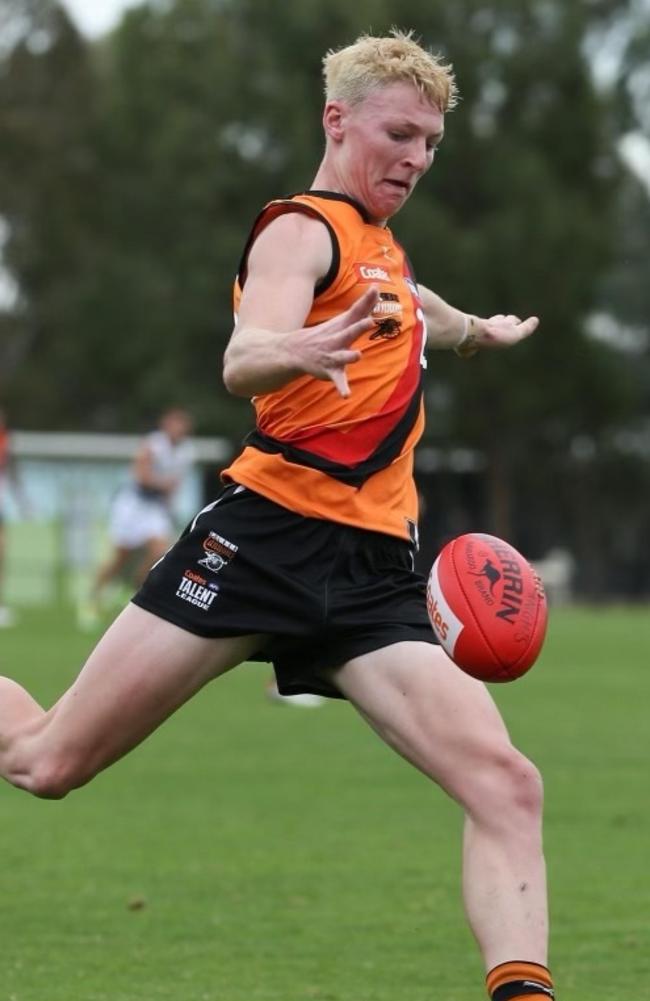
{"type": "Point", "coordinates": [253, 852]}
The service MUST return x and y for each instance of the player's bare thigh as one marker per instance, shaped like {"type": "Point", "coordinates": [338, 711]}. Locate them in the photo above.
{"type": "Point", "coordinates": [433, 714]}
{"type": "Point", "coordinates": [139, 673]}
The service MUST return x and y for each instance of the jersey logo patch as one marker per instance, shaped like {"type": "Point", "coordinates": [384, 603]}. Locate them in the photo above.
{"type": "Point", "coordinates": [218, 552]}
{"type": "Point", "coordinates": [372, 273]}
{"type": "Point", "coordinates": [387, 314]}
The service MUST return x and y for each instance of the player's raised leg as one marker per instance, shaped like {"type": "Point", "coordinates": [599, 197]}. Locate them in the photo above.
{"type": "Point", "coordinates": [140, 672]}
{"type": "Point", "coordinates": [446, 724]}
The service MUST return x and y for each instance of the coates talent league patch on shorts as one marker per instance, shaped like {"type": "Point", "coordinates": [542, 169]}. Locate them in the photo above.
{"type": "Point", "coordinates": [197, 589]}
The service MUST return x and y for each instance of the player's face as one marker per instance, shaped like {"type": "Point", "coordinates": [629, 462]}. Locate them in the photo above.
{"type": "Point", "coordinates": [390, 140]}
{"type": "Point", "coordinates": [177, 424]}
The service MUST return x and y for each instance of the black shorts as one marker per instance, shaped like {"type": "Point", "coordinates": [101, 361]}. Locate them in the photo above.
{"type": "Point", "coordinates": [319, 592]}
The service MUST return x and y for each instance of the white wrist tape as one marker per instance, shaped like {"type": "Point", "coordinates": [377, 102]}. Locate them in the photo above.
{"type": "Point", "coordinates": [468, 344]}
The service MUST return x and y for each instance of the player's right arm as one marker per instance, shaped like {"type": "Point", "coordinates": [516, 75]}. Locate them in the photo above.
{"type": "Point", "coordinates": [270, 344]}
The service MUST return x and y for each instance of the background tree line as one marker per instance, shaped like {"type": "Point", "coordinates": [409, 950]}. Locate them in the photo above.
{"type": "Point", "coordinates": [132, 168]}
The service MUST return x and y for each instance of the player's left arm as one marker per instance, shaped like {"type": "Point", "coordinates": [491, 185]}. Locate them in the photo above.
{"type": "Point", "coordinates": [465, 333]}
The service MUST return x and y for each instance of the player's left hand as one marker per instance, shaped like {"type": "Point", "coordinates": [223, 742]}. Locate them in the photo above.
{"type": "Point", "coordinates": [503, 331]}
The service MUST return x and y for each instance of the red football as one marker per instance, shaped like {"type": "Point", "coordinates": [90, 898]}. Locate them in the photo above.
{"type": "Point", "coordinates": [487, 607]}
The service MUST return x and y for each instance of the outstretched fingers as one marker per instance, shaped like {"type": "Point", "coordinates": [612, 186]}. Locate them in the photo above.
{"type": "Point", "coordinates": [505, 331]}
{"type": "Point", "coordinates": [527, 327]}
{"type": "Point", "coordinates": [340, 333]}
{"type": "Point", "coordinates": [357, 318]}
{"type": "Point", "coordinates": [337, 372]}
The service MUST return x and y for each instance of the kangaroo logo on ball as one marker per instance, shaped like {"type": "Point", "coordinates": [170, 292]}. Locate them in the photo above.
{"type": "Point", "coordinates": [490, 571]}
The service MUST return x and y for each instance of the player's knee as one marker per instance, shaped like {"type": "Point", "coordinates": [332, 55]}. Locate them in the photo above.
{"type": "Point", "coordinates": [511, 791]}
{"type": "Point", "coordinates": [526, 789]}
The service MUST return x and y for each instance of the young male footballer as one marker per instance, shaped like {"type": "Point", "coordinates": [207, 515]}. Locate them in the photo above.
{"type": "Point", "coordinates": [305, 558]}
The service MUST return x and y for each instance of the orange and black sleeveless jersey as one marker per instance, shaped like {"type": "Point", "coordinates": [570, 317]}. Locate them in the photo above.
{"type": "Point", "coordinates": [314, 452]}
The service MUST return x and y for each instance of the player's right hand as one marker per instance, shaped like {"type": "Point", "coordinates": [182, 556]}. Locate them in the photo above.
{"type": "Point", "coordinates": [325, 350]}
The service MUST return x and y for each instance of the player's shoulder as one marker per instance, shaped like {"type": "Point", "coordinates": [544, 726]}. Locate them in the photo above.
{"type": "Point", "coordinates": [294, 227]}
{"type": "Point", "coordinates": [157, 443]}
{"type": "Point", "coordinates": [295, 239]}
{"type": "Point", "coordinates": [155, 439]}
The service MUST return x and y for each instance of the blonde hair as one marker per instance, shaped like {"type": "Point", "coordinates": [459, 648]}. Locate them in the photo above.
{"type": "Point", "coordinates": [352, 72]}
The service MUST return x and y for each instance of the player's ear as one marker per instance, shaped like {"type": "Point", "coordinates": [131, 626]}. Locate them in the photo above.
{"type": "Point", "coordinates": [334, 117]}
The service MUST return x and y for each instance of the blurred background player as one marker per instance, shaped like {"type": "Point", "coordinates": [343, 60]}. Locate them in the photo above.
{"type": "Point", "coordinates": [141, 521]}
{"type": "Point", "coordinates": [8, 477]}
